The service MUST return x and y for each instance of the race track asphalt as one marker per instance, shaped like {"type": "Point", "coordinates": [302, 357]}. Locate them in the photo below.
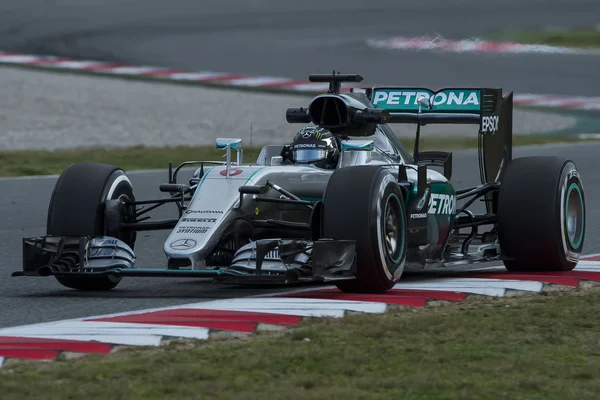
{"type": "Point", "coordinates": [23, 208]}
{"type": "Point", "coordinates": [295, 39]}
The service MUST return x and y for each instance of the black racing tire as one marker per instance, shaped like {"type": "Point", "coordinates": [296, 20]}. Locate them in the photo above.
{"type": "Point", "coordinates": [77, 209]}
{"type": "Point", "coordinates": [541, 214]}
{"type": "Point", "coordinates": [356, 204]}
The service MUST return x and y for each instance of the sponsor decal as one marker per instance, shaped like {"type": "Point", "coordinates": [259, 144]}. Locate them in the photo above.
{"type": "Point", "coordinates": [203, 212]}
{"type": "Point", "coordinates": [232, 172]}
{"type": "Point", "coordinates": [107, 242]}
{"type": "Point", "coordinates": [490, 124]}
{"type": "Point", "coordinates": [417, 216]}
{"type": "Point", "coordinates": [445, 100]}
{"type": "Point", "coordinates": [442, 204]}
{"type": "Point", "coordinates": [309, 131]}
{"type": "Point", "coordinates": [421, 202]}
{"type": "Point", "coordinates": [183, 244]}
{"type": "Point", "coordinates": [206, 220]}
{"type": "Point", "coordinates": [103, 252]}
{"type": "Point", "coordinates": [193, 229]}
{"type": "Point", "coordinates": [573, 173]}
{"type": "Point", "coordinates": [304, 145]}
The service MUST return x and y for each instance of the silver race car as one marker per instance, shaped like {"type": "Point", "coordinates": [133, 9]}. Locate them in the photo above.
{"type": "Point", "coordinates": [360, 223]}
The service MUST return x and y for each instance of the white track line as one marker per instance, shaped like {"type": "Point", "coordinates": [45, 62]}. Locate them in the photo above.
{"type": "Point", "coordinates": [120, 333]}
{"type": "Point", "coordinates": [482, 286]}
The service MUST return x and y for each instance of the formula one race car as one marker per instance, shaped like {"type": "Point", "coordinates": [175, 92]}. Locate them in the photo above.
{"type": "Point", "coordinates": [359, 225]}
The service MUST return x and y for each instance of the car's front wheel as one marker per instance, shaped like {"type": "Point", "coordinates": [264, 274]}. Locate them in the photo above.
{"type": "Point", "coordinates": [77, 209]}
{"type": "Point", "coordinates": [365, 204]}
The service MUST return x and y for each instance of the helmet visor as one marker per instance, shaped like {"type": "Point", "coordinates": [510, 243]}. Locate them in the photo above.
{"type": "Point", "coordinates": [309, 155]}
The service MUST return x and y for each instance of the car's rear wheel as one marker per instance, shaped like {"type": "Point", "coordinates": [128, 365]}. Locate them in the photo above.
{"type": "Point", "coordinates": [541, 214]}
{"type": "Point", "coordinates": [365, 204]}
{"type": "Point", "coordinates": [77, 209]}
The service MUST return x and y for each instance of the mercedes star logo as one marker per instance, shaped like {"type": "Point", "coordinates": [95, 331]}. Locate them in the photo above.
{"type": "Point", "coordinates": [183, 244]}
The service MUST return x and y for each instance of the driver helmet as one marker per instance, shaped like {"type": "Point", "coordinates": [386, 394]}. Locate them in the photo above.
{"type": "Point", "coordinates": [315, 146]}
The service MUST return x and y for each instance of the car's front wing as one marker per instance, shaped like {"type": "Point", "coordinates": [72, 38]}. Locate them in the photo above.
{"type": "Point", "coordinates": [331, 260]}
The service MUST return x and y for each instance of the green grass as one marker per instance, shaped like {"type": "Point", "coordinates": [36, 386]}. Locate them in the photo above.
{"type": "Point", "coordinates": [537, 347]}
{"type": "Point", "coordinates": [584, 38]}
{"type": "Point", "coordinates": [27, 162]}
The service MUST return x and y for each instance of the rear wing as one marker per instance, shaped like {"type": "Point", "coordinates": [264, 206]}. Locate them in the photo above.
{"type": "Point", "coordinates": [446, 106]}
{"type": "Point", "coordinates": [484, 107]}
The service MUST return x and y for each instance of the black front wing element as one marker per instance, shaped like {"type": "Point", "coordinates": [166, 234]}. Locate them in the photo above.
{"type": "Point", "coordinates": [67, 256]}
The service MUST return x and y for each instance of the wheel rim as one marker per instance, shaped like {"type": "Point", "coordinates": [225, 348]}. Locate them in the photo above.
{"type": "Point", "coordinates": [393, 222]}
{"type": "Point", "coordinates": [574, 216]}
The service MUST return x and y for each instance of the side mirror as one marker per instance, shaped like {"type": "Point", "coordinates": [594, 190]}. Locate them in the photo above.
{"type": "Point", "coordinates": [233, 143]}
{"type": "Point", "coordinates": [356, 144]}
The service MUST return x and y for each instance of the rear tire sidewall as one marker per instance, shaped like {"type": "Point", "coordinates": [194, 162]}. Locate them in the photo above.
{"type": "Point", "coordinates": [571, 195]}
{"type": "Point", "coordinates": [536, 195]}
